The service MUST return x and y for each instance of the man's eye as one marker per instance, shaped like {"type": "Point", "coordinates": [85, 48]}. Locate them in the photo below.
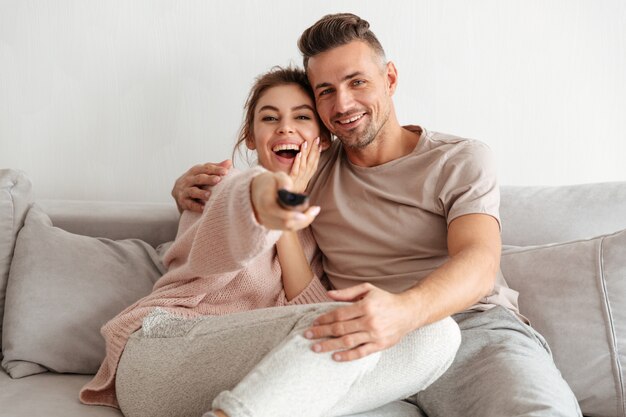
{"type": "Point", "coordinates": [358, 82]}
{"type": "Point", "coordinates": [325, 92]}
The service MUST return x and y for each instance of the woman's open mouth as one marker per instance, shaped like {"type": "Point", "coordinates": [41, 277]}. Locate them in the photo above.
{"type": "Point", "coordinates": [286, 152]}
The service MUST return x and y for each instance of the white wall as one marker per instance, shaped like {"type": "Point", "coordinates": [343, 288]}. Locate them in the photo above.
{"type": "Point", "coordinates": [114, 99]}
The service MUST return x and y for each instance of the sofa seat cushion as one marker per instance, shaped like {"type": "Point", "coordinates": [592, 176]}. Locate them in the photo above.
{"type": "Point", "coordinates": [62, 288]}
{"type": "Point", "coordinates": [574, 294]}
{"type": "Point", "coordinates": [50, 395]}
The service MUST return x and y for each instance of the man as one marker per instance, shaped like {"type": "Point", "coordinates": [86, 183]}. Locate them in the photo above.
{"type": "Point", "coordinates": [409, 230]}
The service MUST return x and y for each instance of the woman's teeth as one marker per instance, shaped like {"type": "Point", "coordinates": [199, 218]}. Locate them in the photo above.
{"type": "Point", "coordinates": [286, 147]}
{"type": "Point", "coordinates": [286, 150]}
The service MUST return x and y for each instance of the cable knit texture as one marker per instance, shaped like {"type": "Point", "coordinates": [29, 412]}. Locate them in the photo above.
{"type": "Point", "coordinates": [222, 261]}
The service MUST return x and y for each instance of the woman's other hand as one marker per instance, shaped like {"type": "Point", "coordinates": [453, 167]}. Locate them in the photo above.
{"type": "Point", "coordinates": [305, 165]}
{"type": "Point", "coordinates": [192, 189]}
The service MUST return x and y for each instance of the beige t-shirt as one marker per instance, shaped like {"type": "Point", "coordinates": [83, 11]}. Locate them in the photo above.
{"type": "Point", "coordinates": [387, 224]}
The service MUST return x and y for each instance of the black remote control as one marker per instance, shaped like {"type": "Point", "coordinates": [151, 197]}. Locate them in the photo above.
{"type": "Point", "coordinates": [292, 201]}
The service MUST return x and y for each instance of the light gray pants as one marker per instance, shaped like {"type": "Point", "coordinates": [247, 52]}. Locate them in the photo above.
{"type": "Point", "coordinates": [503, 369]}
{"type": "Point", "coordinates": [257, 363]}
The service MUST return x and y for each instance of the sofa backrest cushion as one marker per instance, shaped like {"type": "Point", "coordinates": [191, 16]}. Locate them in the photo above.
{"type": "Point", "coordinates": [536, 215]}
{"type": "Point", "coordinates": [14, 200]}
{"type": "Point", "coordinates": [62, 288]}
{"type": "Point", "coordinates": [154, 223]}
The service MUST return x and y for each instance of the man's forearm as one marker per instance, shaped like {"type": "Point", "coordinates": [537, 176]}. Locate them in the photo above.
{"type": "Point", "coordinates": [458, 284]}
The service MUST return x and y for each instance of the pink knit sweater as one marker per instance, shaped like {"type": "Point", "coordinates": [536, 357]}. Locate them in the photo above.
{"type": "Point", "coordinates": [221, 262]}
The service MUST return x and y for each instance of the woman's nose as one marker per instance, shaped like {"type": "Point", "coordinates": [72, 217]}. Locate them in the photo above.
{"type": "Point", "coordinates": [284, 128]}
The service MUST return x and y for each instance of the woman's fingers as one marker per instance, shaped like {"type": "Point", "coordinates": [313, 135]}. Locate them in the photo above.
{"type": "Point", "coordinates": [305, 165]}
{"type": "Point", "coordinates": [313, 159]}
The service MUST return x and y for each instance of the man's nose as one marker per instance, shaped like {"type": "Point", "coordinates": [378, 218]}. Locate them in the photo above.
{"type": "Point", "coordinates": [344, 101]}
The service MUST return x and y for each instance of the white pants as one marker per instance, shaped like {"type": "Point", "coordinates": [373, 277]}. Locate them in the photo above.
{"type": "Point", "coordinates": [258, 363]}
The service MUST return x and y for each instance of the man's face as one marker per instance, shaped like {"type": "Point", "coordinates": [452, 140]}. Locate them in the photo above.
{"type": "Point", "coordinates": [353, 90]}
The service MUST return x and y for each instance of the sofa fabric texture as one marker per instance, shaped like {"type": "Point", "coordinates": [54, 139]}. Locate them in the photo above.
{"type": "Point", "coordinates": [536, 215]}
{"type": "Point", "coordinates": [62, 288]}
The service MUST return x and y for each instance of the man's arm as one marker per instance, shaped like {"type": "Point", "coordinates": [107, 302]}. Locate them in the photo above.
{"type": "Point", "coordinates": [192, 189]}
{"type": "Point", "coordinates": [377, 319]}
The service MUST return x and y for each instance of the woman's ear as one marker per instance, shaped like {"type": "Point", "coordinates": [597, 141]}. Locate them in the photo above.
{"type": "Point", "coordinates": [250, 143]}
{"type": "Point", "coordinates": [325, 141]}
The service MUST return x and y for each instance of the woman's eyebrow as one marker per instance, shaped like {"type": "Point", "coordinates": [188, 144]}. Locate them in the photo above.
{"type": "Point", "coordinates": [302, 106]}
{"type": "Point", "coordinates": [268, 107]}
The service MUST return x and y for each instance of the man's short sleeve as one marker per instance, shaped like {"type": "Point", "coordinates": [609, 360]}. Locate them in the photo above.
{"type": "Point", "coordinates": [468, 181]}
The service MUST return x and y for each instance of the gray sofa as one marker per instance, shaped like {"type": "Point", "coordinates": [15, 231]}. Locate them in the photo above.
{"type": "Point", "coordinates": [565, 253]}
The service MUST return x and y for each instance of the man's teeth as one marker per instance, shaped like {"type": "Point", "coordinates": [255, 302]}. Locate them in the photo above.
{"type": "Point", "coordinates": [286, 147]}
{"type": "Point", "coordinates": [352, 119]}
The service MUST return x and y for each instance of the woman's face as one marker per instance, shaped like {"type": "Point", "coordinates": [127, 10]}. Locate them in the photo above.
{"type": "Point", "coordinates": [284, 118]}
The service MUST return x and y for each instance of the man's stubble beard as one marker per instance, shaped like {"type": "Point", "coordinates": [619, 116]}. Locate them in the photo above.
{"type": "Point", "coordinates": [367, 137]}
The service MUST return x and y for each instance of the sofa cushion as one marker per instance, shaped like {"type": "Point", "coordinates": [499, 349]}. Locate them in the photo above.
{"type": "Point", "coordinates": [574, 294]}
{"type": "Point", "coordinates": [14, 201]}
{"type": "Point", "coordinates": [62, 288]}
{"type": "Point", "coordinates": [154, 223]}
{"type": "Point", "coordinates": [50, 395]}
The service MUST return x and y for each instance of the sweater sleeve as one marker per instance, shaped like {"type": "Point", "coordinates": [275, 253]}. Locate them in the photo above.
{"type": "Point", "coordinates": [227, 236]}
{"type": "Point", "coordinates": [314, 293]}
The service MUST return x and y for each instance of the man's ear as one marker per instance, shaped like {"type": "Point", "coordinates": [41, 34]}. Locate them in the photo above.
{"type": "Point", "coordinates": [392, 77]}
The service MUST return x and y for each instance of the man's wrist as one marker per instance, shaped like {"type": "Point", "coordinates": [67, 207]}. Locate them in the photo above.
{"type": "Point", "coordinates": [416, 302]}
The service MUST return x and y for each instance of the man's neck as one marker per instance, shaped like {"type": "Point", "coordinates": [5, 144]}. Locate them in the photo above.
{"type": "Point", "coordinates": [391, 143]}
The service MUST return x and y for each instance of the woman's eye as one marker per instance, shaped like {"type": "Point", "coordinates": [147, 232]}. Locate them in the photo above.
{"type": "Point", "coordinates": [303, 117]}
{"type": "Point", "coordinates": [269, 118]}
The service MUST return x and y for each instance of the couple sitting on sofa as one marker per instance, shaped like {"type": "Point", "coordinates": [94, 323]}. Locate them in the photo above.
{"type": "Point", "coordinates": [394, 338]}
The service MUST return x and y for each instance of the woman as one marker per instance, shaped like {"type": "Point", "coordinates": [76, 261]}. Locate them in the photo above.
{"type": "Point", "coordinates": [224, 271]}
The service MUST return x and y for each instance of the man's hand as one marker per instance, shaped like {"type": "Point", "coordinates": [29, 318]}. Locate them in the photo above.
{"type": "Point", "coordinates": [376, 320]}
{"type": "Point", "coordinates": [264, 194]}
{"type": "Point", "coordinates": [192, 189]}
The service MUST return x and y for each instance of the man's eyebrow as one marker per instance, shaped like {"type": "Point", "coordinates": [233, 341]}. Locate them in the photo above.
{"type": "Point", "coordinates": [347, 77]}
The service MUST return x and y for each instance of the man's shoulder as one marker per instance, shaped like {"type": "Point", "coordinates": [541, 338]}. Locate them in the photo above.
{"type": "Point", "coordinates": [452, 144]}
{"type": "Point", "coordinates": [448, 139]}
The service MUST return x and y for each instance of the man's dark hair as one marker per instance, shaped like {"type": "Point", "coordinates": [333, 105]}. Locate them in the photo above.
{"type": "Point", "coordinates": [335, 30]}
